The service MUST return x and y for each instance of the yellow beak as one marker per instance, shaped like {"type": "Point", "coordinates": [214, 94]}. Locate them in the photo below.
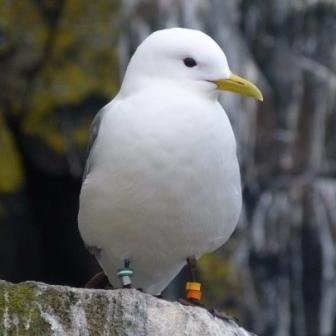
{"type": "Point", "coordinates": [239, 85]}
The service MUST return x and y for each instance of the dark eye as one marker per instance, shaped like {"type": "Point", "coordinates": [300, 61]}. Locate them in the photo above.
{"type": "Point", "coordinates": [189, 62]}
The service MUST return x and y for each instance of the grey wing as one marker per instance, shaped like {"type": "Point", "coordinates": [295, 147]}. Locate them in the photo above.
{"type": "Point", "coordinates": [94, 130]}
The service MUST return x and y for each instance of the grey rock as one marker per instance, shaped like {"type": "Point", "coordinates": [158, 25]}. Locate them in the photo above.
{"type": "Point", "coordinates": [33, 308]}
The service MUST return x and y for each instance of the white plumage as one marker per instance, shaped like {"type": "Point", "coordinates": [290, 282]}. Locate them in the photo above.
{"type": "Point", "coordinates": [162, 181]}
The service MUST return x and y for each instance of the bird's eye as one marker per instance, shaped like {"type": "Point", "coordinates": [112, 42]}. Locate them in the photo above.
{"type": "Point", "coordinates": [189, 62]}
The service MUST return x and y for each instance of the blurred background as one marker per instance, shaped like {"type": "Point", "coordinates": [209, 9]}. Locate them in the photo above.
{"type": "Point", "coordinates": [62, 60]}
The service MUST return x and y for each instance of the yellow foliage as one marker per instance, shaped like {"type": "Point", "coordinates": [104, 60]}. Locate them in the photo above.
{"type": "Point", "coordinates": [221, 283]}
{"type": "Point", "coordinates": [11, 173]}
{"type": "Point", "coordinates": [23, 23]}
{"type": "Point", "coordinates": [82, 62]}
{"type": "Point", "coordinates": [81, 134]}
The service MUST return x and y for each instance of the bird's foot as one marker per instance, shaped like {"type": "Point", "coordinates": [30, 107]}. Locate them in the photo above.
{"type": "Point", "coordinates": [194, 294]}
{"type": "Point", "coordinates": [192, 303]}
{"type": "Point", "coordinates": [99, 281]}
{"type": "Point", "coordinates": [221, 315]}
{"type": "Point", "coordinates": [214, 312]}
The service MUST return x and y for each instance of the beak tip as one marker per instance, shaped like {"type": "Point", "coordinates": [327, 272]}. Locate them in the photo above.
{"type": "Point", "coordinates": [239, 85]}
{"type": "Point", "coordinates": [258, 95]}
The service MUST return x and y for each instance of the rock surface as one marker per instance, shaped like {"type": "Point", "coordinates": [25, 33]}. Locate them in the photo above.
{"type": "Point", "coordinates": [32, 308]}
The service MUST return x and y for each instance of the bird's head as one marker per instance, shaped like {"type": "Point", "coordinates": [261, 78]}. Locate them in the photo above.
{"type": "Point", "coordinates": [187, 56]}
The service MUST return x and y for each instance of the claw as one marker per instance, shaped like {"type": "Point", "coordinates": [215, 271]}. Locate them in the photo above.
{"type": "Point", "coordinates": [191, 303]}
{"type": "Point", "coordinates": [214, 312]}
{"type": "Point", "coordinates": [221, 315]}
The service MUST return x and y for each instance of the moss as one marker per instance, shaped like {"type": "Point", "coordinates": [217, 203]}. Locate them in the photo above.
{"type": "Point", "coordinates": [72, 298]}
{"type": "Point", "coordinates": [18, 307]}
{"type": "Point", "coordinates": [37, 325]}
{"type": "Point", "coordinates": [29, 307]}
{"type": "Point", "coordinates": [23, 305]}
{"type": "Point", "coordinates": [20, 299]}
{"type": "Point", "coordinates": [2, 305]}
{"type": "Point", "coordinates": [58, 305]}
{"type": "Point", "coordinates": [96, 314]}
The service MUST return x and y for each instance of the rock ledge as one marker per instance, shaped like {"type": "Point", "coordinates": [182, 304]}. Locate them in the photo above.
{"type": "Point", "coordinates": [32, 308]}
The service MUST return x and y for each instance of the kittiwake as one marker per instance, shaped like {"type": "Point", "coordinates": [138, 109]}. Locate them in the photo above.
{"type": "Point", "coordinates": [162, 180]}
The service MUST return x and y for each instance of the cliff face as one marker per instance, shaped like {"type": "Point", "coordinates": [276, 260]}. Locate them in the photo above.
{"type": "Point", "coordinates": [284, 249]}
{"type": "Point", "coordinates": [33, 308]}
{"type": "Point", "coordinates": [278, 271]}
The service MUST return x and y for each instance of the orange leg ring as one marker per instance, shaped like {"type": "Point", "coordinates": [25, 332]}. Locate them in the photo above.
{"type": "Point", "coordinates": [193, 291]}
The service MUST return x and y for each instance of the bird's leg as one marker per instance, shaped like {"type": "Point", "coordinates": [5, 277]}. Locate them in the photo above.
{"type": "Point", "coordinates": [193, 287]}
{"type": "Point", "coordinates": [125, 275]}
{"type": "Point", "coordinates": [99, 280]}
{"type": "Point", "coordinates": [194, 294]}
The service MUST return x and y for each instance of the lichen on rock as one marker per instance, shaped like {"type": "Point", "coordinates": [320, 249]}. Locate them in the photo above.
{"type": "Point", "coordinates": [33, 309]}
